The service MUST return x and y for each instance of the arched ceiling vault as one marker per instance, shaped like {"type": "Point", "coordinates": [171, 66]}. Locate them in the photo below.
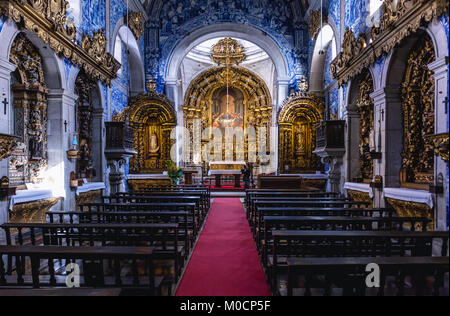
{"type": "Point", "coordinates": [297, 8]}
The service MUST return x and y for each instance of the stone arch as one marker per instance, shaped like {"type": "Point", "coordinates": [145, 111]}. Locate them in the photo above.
{"type": "Point", "coordinates": [297, 120]}
{"type": "Point", "coordinates": [244, 32]}
{"type": "Point", "coordinates": [135, 59]}
{"type": "Point", "coordinates": [58, 100]}
{"type": "Point", "coordinates": [360, 127]}
{"type": "Point", "coordinates": [318, 60]}
{"type": "Point", "coordinates": [393, 75]}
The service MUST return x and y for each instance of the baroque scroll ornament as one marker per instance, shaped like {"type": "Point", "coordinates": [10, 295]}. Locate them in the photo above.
{"type": "Point", "coordinates": [136, 24]}
{"type": "Point", "coordinates": [47, 19]}
{"type": "Point", "coordinates": [315, 23]}
{"type": "Point", "coordinates": [399, 20]}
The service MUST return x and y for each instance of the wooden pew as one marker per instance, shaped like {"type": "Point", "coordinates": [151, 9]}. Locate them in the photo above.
{"type": "Point", "coordinates": [142, 199]}
{"type": "Point", "coordinates": [91, 258]}
{"type": "Point", "coordinates": [204, 195]}
{"type": "Point", "coordinates": [258, 227]}
{"type": "Point", "coordinates": [349, 273]}
{"type": "Point", "coordinates": [256, 204]}
{"type": "Point", "coordinates": [146, 207]}
{"type": "Point", "coordinates": [163, 238]}
{"type": "Point", "coordinates": [181, 188]}
{"type": "Point", "coordinates": [289, 244]}
{"type": "Point", "coordinates": [253, 194]}
{"type": "Point", "coordinates": [251, 208]}
{"type": "Point", "coordinates": [334, 223]}
{"type": "Point", "coordinates": [181, 218]}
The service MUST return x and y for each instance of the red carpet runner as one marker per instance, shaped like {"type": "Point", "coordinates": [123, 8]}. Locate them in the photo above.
{"type": "Point", "coordinates": [225, 261]}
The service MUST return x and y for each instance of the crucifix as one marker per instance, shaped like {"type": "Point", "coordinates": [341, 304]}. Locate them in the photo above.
{"type": "Point", "coordinates": [65, 126]}
{"type": "Point", "coordinates": [446, 104]}
{"type": "Point", "coordinates": [5, 103]}
{"type": "Point", "coordinates": [382, 115]}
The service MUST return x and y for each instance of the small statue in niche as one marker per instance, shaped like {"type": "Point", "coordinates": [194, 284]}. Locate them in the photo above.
{"type": "Point", "coordinates": [154, 147]}
{"type": "Point", "coordinates": [35, 147]}
{"type": "Point", "coordinates": [301, 141]}
{"type": "Point", "coordinates": [84, 151]}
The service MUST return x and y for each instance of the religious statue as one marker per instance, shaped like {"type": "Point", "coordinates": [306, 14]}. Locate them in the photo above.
{"type": "Point", "coordinates": [154, 147]}
{"type": "Point", "coordinates": [35, 144]}
{"type": "Point", "coordinates": [301, 141]}
{"type": "Point", "coordinates": [84, 151]}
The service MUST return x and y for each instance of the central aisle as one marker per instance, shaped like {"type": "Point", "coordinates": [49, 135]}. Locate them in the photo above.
{"type": "Point", "coordinates": [225, 261]}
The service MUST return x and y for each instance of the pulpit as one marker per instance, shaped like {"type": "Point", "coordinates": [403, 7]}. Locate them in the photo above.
{"type": "Point", "coordinates": [226, 168]}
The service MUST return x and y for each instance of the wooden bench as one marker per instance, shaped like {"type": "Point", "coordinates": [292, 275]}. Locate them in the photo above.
{"type": "Point", "coordinates": [300, 203]}
{"type": "Point", "coordinates": [204, 195]}
{"type": "Point", "coordinates": [288, 244]}
{"type": "Point", "coordinates": [146, 207]}
{"type": "Point", "coordinates": [306, 211]}
{"type": "Point", "coordinates": [181, 188]}
{"type": "Point", "coordinates": [181, 218]}
{"type": "Point", "coordinates": [252, 194]}
{"type": "Point", "coordinates": [350, 273]}
{"type": "Point", "coordinates": [163, 238]}
{"type": "Point", "coordinates": [92, 259]}
{"type": "Point", "coordinates": [200, 205]}
{"type": "Point", "coordinates": [334, 223]}
{"type": "Point", "coordinates": [251, 206]}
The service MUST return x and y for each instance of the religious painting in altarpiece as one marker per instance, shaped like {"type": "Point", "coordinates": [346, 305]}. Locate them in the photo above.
{"type": "Point", "coordinates": [153, 118]}
{"type": "Point", "coordinates": [418, 93]}
{"type": "Point", "coordinates": [29, 93]}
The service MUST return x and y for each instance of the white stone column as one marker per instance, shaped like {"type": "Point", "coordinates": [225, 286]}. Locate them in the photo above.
{"type": "Point", "coordinates": [351, 157]}
{"type": "Point", "coordinates": [388, 132]}
{"type": "Point", "coordinates": [98, 144]}
{"type": "Point", "coordinates": [61, 124]}
{"type": "Point", "coordinates": [6, 123]}
{"type": "Point", "coordinates": [283, 90]}
{"type": "Point", "coordinates": [440, 70]}
{"type": "Point", "coordinates": [173, 92]}
{"type": "Point", "coordinates": [282, 94]}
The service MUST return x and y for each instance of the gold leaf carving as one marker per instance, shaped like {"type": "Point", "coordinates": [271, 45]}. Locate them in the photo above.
{"type": "Point", "coordinates": [399, 20]}
{"type": "Point", "coordinates": [47, 19]}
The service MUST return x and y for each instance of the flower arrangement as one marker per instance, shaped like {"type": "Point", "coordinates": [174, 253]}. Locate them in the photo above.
{"type": "Point", "coordinates": [173, 171]}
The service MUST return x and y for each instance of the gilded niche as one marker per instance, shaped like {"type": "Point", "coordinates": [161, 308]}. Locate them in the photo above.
{"type": "Point", "coordinates": [30, 112]}
{"type": "Point", "coordinates": [400, 19]}
{"type": "Point", "coordinates": [418, 92]}
{"type": "Point", "coordinates": [366, 118]}
{"type": "Point", "coordinates": [297, 121]}
{"type": "Point", "coordinates": [152, 117]}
